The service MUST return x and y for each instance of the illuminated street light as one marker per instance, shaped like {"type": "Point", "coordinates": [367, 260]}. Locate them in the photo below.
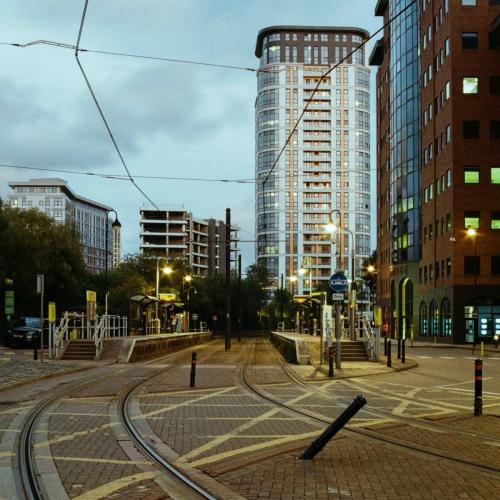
{"type": "Point", "coordinates": [302, 271]}
{"type": "Point", "coordinates": [167, 270]}
{"type": "Point", "coordinates": [331, 227]}
{"type": "Point", "coordinates": [371, 268]}
{"type": "Point", "coordinates": [471, 232]}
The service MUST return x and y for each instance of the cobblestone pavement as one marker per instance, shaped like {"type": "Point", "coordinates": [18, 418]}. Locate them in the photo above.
{"type": "Point", "coordinates": [18, 368]}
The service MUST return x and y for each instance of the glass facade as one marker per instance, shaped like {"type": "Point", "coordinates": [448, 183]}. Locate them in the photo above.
{"type": "Point", "coordinates": [405, 127]}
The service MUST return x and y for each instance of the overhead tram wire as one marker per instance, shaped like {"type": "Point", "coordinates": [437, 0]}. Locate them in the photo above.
{"type": "Point", "coordinates": [138, 56]}
{"type": "Point", "coordinates": [306, 107]}
{"type": "Point", "coordinates": [101, 112]}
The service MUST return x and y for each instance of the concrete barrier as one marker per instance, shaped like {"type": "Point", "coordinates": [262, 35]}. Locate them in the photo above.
{"type": "Point", "coordinates": [293, 349]}
{"type": "Point", "coordinates": [141, 348]}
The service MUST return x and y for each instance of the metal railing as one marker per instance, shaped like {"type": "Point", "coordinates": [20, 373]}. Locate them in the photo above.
{"type": "Point", "coordinates": [99, 333]}
{"type": "Point", "coordinates": [370, 338]}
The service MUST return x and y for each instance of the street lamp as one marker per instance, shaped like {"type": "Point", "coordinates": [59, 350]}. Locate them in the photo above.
{"type": "Point", "coordinates": [188, 279]}
{"type": "Point", "coordinates": [472, 233]}
{"type": "Point", "coordinates": [115, 223]}
{"type": "Point", "coordinates": [332, 228]}
{"type": "Point", "coordinates": [302, 272]}
{"type": "Point", "coordinates": [293, 280]}
{"type": "Point", "coordinates": [165, 270]}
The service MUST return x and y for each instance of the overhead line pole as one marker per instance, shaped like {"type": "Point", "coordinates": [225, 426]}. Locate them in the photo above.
{"type": "Point", "coordinates": [227, 336]}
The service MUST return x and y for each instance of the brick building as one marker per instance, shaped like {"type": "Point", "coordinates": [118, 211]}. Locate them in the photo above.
{"type": "Point", "coordinates": [438, 169]}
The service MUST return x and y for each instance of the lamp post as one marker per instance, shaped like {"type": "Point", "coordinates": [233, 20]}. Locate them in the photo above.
{"type": "Point", "coordinates": [302, 272]}
{"type": "Point", "coordinates": [115, 223]}
{"type": "Point", "coordinates": [188, 279]}
{"type": "Point", "coordinates": [293, 280]}
{"type": "Point", "coordinates": [472, 233]}
{"type": "Point", "coordinates": [166, 270]}
{"type": "Point", "coordinates": [332, 228]}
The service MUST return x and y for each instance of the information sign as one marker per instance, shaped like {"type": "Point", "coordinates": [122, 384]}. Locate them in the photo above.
{"type": "Point", "coordinates": [9, 302]}
{"type": "Point", "coordinates": [52, 312]}
{"type": "Point", "coordinates": [337, 296]}
{"type": "Point", "coordinates": [338, 282]}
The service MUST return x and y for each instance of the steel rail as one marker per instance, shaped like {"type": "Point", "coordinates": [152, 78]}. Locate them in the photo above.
{"type": "Point", "coordinates": [368, 434]}
{"type": "Point", "coordinates": [31, 487]}
{"type": "Point", "coordinates": [149, 450]}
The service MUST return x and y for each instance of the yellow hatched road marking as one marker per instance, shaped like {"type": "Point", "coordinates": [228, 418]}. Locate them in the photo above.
{"type": "Point", "coordinates": [243, 427]}
{"type": "Point", "coordinates": [4, 454]}
{"type": "Point", "coordinates": [246, 449]}
{"type": "Point", "coordinates": [95, 460]}
{"type": "Point", "coordinates": [74, 435]}
{"type": "Point", "coordinates": [106, 489]}
{"type": "Point", "coordinates": [184, 403]}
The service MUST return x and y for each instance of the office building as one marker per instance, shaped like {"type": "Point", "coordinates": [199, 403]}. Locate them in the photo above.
{"type": "Point", "coordinates": [438, 169]}
{"type": "Point", "coordinates": [174, 232]}
{"type": "Point", "coordinates": [326, 165]}
{"type": "Point", "coordinates": [91, 219]}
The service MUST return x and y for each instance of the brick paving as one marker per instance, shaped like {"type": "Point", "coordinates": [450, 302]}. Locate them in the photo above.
{"type": "Point", "coordinates": [349, 468]}
{"type": "Point", "coordinates": [15, 370]}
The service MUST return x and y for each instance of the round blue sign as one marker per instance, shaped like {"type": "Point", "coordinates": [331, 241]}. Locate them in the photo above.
{"type": "Point", "coordinates": [338, 282]}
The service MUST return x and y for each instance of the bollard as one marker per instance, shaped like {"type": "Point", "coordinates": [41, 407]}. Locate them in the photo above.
{"type": "Point", "coordinates": [435, 339]}
{"type": "Point", "coordinates": [403, 351]}
{"type": "Point", "coordinates": [478, 387]}
{"type": "Point", "coordinates": [193, 370]}
{"type": "Point", "coordinates": [482, 350]}
{"type": "Point", "coordinates": [330, 362]}
{"type": "Point", "coordinates": [495, 338]}
{"type": "Point", "coordinates": [317, 445]}
{"type": "Point", "coordinates": [35, 351]}
{"type": "Point", "coordinates": [389, 361]}
{"type": "Point", "coordinates": [399, 347]}
{"type": "Point", "coordinates": [385, 346]}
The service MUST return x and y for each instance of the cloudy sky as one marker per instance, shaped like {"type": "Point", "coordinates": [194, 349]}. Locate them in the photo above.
{"type": "Point", "coordinates": [169, 119]}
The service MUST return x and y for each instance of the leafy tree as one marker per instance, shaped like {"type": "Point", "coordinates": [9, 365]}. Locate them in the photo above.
{"type": "Point", "coordinates": [32, 243]}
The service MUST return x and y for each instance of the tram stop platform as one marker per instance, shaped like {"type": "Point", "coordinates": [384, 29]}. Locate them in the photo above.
{"type": "Point", "coordinates": [303, 353]}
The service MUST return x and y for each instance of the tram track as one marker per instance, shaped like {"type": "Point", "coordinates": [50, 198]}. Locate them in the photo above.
{"type": "Point", "coordinates": [30, 484]}
{"type": "Point", "coordinates": [370, 434]}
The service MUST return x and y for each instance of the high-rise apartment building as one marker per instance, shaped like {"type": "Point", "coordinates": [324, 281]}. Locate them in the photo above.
{"type": "Point", "coordinates": [91, 219]}
{"type": "Point", "coordinates": [438, 168]}
{"type": "Point", "coordinates": [175, 233]}
{"type": "Point", "coordinates": [326, 165]}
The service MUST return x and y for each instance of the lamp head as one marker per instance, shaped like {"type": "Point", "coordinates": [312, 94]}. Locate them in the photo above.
{"type": "Point", "coordinates": [371, 268]}
{"type": "Point", "coordinates": [167, 270]}
{"type": "Point", "coordinates": [471, 232]}
{"type": "Point", "coordinates": [331, 227]}
{"type": "Point", "coordinates": [293, 279]}
{"type": "Point", "coordinates": [302, 271]}
{"type": "Point", "coordinates": [188, 278]}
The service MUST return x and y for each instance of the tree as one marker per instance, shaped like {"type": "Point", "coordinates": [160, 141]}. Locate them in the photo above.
{"type": "Point", "coordinates": [32, 244]}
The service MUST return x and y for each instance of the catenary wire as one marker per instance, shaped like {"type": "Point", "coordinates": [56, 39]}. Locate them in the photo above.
{"type": "Point", "coordinates": [138, 56]}
{"type": "Point", "coordinates": [96, 102]}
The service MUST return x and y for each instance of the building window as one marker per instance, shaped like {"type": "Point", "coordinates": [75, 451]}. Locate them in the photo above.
{"type": "Point", "coordinates": [471, 175]}
{"type": "Point", "coordinates": [471, 219]}
{"type": "Point", "coordinates": [447, 90]}
{"type": "Point", "coordinates": [495, 175]}
{"type": "Point", "coordinates": [495, 85]}
{"type": "Point", "coordinates": [470, 85]}
{"type": "Point", "coordinates": [448, 222]}
{"type": "Point", "coordinates": [495, 129]}
{"type": "Point", "coordinates": [495, 220]}
{"type": "Point", "coordinates": [469, 3]}
{"type": "Point", "coordinates": [495, 264]}
{"type": "Point", "coordinates": [447, 47]}
{"type": "Point", "coordinates": [448, 266]}
{"type": "Point", "coordinates": [472, 264]}
{"type": "Point", "coordinates": [448, 178]}
{"type": "Point", "coordinates": [423, 320]}
{"type": "Point", "coordinates": [471, 129]}
{"type": "Point", "coordinates": [469, 40]}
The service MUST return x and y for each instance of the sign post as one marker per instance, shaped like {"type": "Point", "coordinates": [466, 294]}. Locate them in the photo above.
{"type": "Point", "coordinates": [52, 320]}
{"type": "Point", "coordinates": [91, 309]}
{"type": "Point", "coordinates": [40, 289]}
{"type": "Point", "coordinates": [338, 284]}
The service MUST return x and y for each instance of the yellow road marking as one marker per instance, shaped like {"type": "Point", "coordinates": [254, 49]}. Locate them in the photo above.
{"type": "Point", "coordinates": [95, 460]}
{"type": "Point", "coordinates": [184, 403]}
{"type": "Point", "coordinates": [4, 454]}
{"type": "Point", "coordinates": [248, 449]}
{"type": "Point", "coordinates": [79, 414]}
{"type": "Point", "coordinates": [106, 489]}
{"type": "Point", "coordinates": [74, 435]}
{"type": "Point", "coordinates": [243, 427]}
{"type": "Point", "coordinates": [176, 393]}
{"type": "Point", "coordinates": [16, 410]}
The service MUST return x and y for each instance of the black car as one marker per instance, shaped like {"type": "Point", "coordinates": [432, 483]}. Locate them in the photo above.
{"type": "Point", "coordinates": [24, 332]}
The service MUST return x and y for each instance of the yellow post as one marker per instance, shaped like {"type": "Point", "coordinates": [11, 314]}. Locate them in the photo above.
{"type": "Point", "coordinates": [435, 337]}
{"type": "Point", "coordinates": [482, 348]}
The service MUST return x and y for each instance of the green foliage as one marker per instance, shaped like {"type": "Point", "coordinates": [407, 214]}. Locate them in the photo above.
{"type": "Point", "coordinates": [32, 243]}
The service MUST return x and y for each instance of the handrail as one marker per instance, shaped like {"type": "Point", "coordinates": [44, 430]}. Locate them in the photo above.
{"type": "Point", "coordinates": [369, 338]}
{"type": "Point", "coordinates": [99, 332]}
{"type": "Point", "coordinates": [60, 333]}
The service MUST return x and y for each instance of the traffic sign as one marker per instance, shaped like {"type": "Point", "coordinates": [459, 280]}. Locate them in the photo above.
{"type": "Point", "coordinates": [52, 312]}
{"type": "Point", "coordinates": [338, 282]}
{"type": "Point", "coordinates": [194, 316]}
{"type": "Point", "coordinates": [337, 296]}
{"type": "Point", "coordinates": [9, 302]}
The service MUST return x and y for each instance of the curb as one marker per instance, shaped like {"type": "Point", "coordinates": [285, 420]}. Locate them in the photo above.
{"type": "Point", "coordinates": [408, 366]}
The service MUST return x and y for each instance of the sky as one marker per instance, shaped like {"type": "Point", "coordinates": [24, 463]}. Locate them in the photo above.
{"type": "Point", "coordinates": [169, 119]}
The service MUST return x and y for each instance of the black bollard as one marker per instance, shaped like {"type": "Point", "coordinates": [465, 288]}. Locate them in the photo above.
{"type": "Point", "coordinates": [478, 388]}
{"type": "Point", "coordinates": [389, 360]}
{"type": "Point", "coordinates": [330, 362]}
{"type": "Point", "coordinates": [399, 348]}
{"type": "Point", "coordinates": [317, 445]}
{"type": "Point", "coordinates": [193, 370]}
{"type": "Point", "coordinates": [403, 351]}
{"type": "Point", "coordinates": [35, 351]}
{"type": "Point", "coordinates": [385, 346]}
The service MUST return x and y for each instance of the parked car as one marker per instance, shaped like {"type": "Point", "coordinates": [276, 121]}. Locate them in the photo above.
{"type": "Point", "coordinates": [25, 332]}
